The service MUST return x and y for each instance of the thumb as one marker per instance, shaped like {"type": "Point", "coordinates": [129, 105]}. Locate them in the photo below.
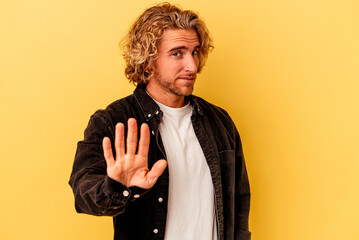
{"type": "Point", "coordinates": [156, 171]}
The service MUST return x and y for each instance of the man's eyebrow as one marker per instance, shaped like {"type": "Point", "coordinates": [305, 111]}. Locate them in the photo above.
{"type": "Point", "coordinates": [182, 47]}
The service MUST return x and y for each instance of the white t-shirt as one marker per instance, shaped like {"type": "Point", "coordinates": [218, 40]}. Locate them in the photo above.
{"type": "Point", "coordinates": [191, 211]}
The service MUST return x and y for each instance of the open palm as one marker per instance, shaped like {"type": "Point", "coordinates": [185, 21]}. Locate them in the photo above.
{"type": "Point", "coordinates": [127, 167]}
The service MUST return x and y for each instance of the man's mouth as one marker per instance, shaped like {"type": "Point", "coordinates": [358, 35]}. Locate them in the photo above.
{"type": "Point", "coordinates": [188, 78]}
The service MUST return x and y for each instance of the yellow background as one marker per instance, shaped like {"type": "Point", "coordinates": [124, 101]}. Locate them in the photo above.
{"type": "Point", "coordinates": [286, 71]}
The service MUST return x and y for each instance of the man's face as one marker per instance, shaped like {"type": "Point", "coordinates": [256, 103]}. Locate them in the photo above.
{"type": "Point", "coordinates": [175, 69]}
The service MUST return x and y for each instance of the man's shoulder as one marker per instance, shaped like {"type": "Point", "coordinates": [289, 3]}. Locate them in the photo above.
{"type": "Point", "coordinates": [125, 102]}
{"type": "Point", "coordinates": [217, 116]}
{"type": "Point", "coordinates": [209, 107]}
{"type": "Point", "coordinates": [113, 112]}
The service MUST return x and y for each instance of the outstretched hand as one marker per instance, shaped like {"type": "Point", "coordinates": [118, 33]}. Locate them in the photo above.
{"type": "Point", "coordinates": [129, 168]}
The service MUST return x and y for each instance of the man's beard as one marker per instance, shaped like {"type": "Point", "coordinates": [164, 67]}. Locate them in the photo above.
{"type": "Point", "coordinates": [170, 85]}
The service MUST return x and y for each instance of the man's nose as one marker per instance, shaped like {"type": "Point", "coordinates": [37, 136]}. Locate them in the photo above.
{"type": "Point", "coordinates": [191, 64]}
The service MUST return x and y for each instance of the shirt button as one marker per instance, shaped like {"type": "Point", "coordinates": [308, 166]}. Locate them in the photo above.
{"type": "Point", "coordinates": [160, 199]}
{"type": "Point", "coordinates": [126, 193]}
{"type": "Point", "coordinates": [157, 112]}
{"type": "Point", "coordinates": [155, 230]}
{"type": "Point", "coordinates": [153, 132]}
{"type": "Point", "coordinates": [136, 196]}
{"type": "Point", "coordinates": [149, 115]}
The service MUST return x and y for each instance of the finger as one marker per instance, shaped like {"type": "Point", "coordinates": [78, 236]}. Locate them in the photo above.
{"type": "Point", "coordinates": [120, 141]}
{"type": "Point", "coordinates": [131, 136]}
{"type": "Point", "coordinates": [107, 151]}
{"type": "Point", "coordinates": [156, 171]}
{"type": "Point", "coordinates": [144, 143]}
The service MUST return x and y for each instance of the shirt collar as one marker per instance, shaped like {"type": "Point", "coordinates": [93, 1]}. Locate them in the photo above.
{"type": "Point", "coordinates": [150, 108]}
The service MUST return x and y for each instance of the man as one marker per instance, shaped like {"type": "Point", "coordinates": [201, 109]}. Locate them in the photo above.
{"type": "Point", "coordinates": [181, 175]}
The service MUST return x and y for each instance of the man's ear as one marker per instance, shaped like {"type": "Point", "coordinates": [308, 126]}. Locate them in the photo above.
{"type": "Point", "coordinates": [149, 70]}
{"type": "Point", "coordinates": [150, 66]}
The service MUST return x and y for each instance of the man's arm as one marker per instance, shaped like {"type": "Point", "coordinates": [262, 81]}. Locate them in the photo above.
{"type": "Point", "coordinates": [97, 174]}
{"type": "Point", "coordinates": [242, 193]}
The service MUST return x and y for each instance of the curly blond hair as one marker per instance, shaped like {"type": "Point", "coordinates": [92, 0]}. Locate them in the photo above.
{"type": "Point", "coordinates": [140, 44]}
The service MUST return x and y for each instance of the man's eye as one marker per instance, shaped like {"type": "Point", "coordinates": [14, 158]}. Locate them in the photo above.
{"type": "Point", "coordinates": [195, 52]}
{"type": "Point", "coordinates": [176, 54]}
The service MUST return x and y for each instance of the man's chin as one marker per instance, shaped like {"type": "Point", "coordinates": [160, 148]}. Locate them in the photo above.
{"type": "Point", "coordinates": [186, 92]}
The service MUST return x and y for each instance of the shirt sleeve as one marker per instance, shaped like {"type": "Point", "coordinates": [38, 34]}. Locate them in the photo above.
{"type": "Point", "coordinates": [96, 193]}
{"type": "Point", "coordinates": [242, 203]}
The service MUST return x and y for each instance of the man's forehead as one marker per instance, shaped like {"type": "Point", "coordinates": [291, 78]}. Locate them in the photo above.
{"type": "Point", "coordinates": [172, 37]}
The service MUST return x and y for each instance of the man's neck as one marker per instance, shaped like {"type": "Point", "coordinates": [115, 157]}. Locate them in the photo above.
{"type": "Point", "coordinates": [166, 98]}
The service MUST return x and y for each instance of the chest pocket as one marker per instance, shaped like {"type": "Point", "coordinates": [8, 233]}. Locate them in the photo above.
{"type": "Point", "coordinates": [228, 166]}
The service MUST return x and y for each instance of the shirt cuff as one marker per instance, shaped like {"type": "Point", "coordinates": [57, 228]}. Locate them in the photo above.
{"type": "Point", "coordinates": [120, 193]}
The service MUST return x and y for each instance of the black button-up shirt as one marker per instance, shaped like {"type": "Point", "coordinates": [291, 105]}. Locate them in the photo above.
{"type": "Point", "coordinates": [139, 213]}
